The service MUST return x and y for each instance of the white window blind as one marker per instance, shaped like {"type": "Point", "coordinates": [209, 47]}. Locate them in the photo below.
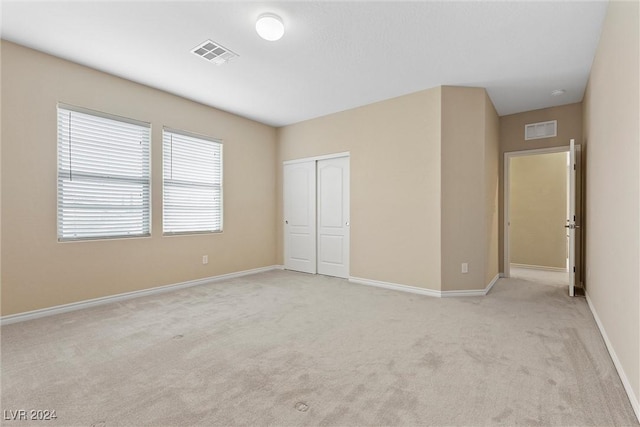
{"type": "Point", "coordinates": [103, 175]}
{"type": "Point", "coordinates": [192, 183]}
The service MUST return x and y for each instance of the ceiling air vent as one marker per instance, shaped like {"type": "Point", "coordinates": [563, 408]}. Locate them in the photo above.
{"type": "Point", "coordinates": [213, 52]}
{"type": "Point", "coordinates": [541, 130]}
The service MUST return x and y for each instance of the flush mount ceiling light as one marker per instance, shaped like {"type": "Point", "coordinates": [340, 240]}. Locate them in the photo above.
{"type": "Point", "coordinates": [270, 27]}
{"type": "Point", "coordinates": [558, 92]}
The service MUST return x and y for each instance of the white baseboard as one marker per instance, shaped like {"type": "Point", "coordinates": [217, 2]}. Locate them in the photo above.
{"type": "Point", "coordinates": [539, 267]}
{"type": "Point", "coordinates": [492, 282]}
{"type": "Point", "coordinates": [395, 286]}
{"type": "Point", "coordinates": [616, 362]}
{"type": "Point", "coordinates": [65, 308]}
{"type": "Point", "coordinates": [424, 291]}
{"type": "Point", "coordinates": [472, 293]}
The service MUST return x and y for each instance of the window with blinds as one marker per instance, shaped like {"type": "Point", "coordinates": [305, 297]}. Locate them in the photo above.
{"type": "Point", "coordinates": [192, 183]}
{"type": "Point", "coordinates": [103, 175]}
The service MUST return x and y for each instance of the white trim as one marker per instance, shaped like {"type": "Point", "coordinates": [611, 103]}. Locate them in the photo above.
{"type": "Point", "coordinates": [425, 291]}
{"type": "Point", "coordinates": [505, 197]}
{"type": "Point", "coordinates": [316, 158]}
{"type": "Point", "coordinates": [471, 293]}
{"type": "Point", "coordinates": [491, 283]}
{"type": "Point", "coordinates": [616, 362]}
{"type": "Point", "coordinates": [192, 134]}
{"type": "Point", "coordinates": [558, 149]}
{"type": "Point", "coordinates": [395, 286]}
{"type": "Point", "coordinates": [104, 115]}
{"type": "Point", "coordinates": [462, 293]}
{"type": "Point", "coordinates": [539, 267]}
{"type": "Point", "coordinates": [80, 305]}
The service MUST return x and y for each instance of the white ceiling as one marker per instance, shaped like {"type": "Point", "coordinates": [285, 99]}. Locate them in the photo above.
{"type": "Point", "coordinates": [334, 55]}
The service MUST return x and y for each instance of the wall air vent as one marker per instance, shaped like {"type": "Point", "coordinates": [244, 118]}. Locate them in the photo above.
{"type": "Point", "coordinates": [213, 52]}
{"type": "Point", "coordinates": [541, 130]}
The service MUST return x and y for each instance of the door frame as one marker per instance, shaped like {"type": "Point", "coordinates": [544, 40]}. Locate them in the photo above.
{"type": "Point", "coordinates": [507, 186]}
{"type": "Point", "coordinates": [314, 159]}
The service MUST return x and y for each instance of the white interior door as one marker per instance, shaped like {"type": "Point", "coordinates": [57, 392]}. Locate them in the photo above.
{"type": "Point", "coordinates": [299, 197]}
{"type": "Point", "coordinates": [333, 217]}
{"type": "Point", "coordinates": [571, 221]}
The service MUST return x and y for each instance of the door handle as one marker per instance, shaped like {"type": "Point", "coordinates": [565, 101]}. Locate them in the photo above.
{"type": "Point", "coordinates": [286, 221]}
{"type": "Point", "coordinates": [346, 223]}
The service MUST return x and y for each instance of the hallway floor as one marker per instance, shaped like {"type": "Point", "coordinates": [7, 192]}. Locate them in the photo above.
{"type": "Point", "coordinates": [553, 278]}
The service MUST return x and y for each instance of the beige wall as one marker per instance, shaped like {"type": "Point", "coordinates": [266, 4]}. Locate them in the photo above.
{"type": "Point", "coordinates": [37, 271]}
{"type": "Point", "coordinates": [569, 119]}
{"type": "Point", "coordinates": [538, 208]}
{"type": "Point", "coordinates": [395, 183]}
{"type": "Point", "coordinates": [611, 129]}
{"type": "Point", "coordinates": [419, 165]}
{"type": "Point", "coordinates": [469, 178]}
{"type": "Point", "coordinates": [492, 174]}
{"type": "Point", "coordinates": [0, 181]}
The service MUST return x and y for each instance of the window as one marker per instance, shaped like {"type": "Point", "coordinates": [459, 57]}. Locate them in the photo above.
{"type": "Point", "coordinates": [103, 175]}
{"type": "Point", "coordinates": [192, 183]}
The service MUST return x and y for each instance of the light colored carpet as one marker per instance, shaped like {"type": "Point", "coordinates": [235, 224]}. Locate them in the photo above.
{"type": "Point", "coordinates": [283, 348]}
{"type": "Point", "coordinates": [556, 278]}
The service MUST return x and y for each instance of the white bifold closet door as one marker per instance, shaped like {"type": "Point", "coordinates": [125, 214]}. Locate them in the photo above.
{"type": "Point", "coordinates": [316, 213]}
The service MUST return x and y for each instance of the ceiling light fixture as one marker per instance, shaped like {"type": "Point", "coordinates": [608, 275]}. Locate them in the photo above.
{"type": "Point", "coordinates": [270, 27]}
{"type": "Point", "coordinates": [558, 92]}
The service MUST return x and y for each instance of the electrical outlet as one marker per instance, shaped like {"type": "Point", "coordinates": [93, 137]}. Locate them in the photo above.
{"type": "Point", "coordinates": [205, 259]}
{"type": "Point", "coordinates": [465, 267]}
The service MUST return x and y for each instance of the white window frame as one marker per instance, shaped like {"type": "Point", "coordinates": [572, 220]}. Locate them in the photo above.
{"type": "Point", "coordinates": [65, 175]}
{"type": "Point", "coordinates": [166, 159]}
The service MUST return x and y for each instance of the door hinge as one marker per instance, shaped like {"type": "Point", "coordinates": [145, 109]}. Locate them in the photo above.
{"type": "Point", "coordinates": [574, 269]}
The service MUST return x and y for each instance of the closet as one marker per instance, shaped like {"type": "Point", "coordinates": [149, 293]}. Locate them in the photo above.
{"type": "Point", "coordinates": [316, 215]}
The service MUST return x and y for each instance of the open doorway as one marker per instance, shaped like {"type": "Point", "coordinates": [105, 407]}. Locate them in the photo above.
{"type": "Point", "coordinates": [537, 212]}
